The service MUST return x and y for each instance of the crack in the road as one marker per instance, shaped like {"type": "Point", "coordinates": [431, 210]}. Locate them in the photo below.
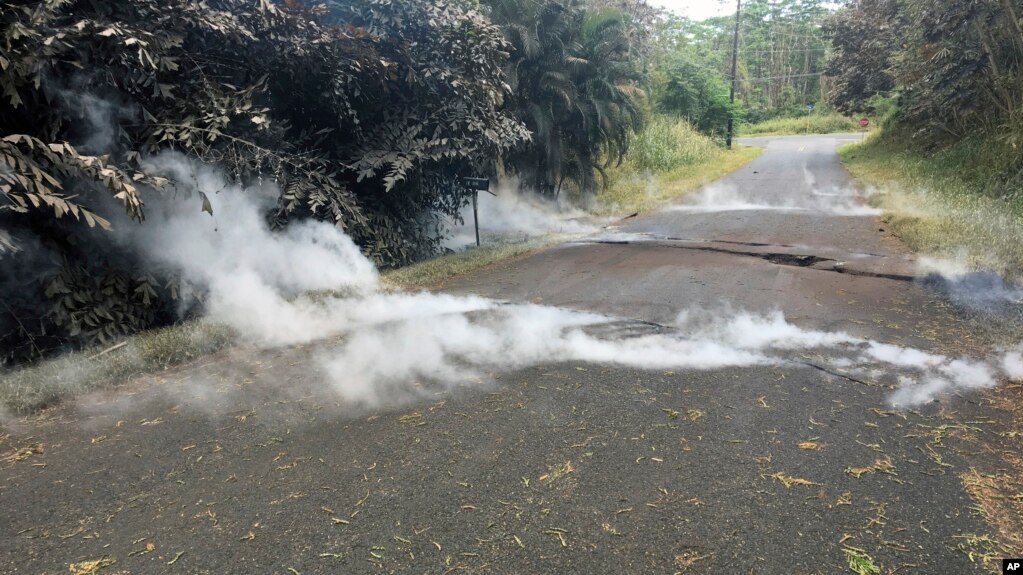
{"type": "Point", "coordinates": [626, 329]}
{"type": "Point", "coordinates": [869, 274]}
{"type": "Point", "coordinates": [831, 372]}
{"type": "Point", "coordinates": [779, 258]}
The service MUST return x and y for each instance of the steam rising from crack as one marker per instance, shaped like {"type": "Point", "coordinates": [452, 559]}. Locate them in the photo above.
{"type": "Point", "coordinates": [810, 198]}
{"type": "Point", "coordinates": [400, 347]}
{"type": "Point", "coordinates": [973, 289]}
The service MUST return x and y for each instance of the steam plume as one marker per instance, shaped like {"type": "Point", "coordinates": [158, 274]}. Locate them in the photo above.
{"type": "Point", "coordinates": [398, 347]}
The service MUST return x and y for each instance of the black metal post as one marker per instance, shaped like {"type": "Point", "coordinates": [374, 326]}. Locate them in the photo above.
{"type": "Point", "coordinates": [476, 184]}
{"type": "Point", "coordinates": [731, 91]}
{"type": "Point", "coordinates": [475, 217]}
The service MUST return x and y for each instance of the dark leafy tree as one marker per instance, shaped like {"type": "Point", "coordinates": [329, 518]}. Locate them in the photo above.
{"type": "Point", "coordinates": [694, 91]}
{"type": "Point", "coordinates": [364, 116]}
{"type": "Point", "coordinates": [956, 66]}
{"type": "Point", "coordinates": [865, 37]}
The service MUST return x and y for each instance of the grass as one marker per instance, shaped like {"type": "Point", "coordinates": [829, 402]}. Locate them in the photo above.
{"type": "Point", "coordinates": [962, 202]}
{"type": "Point", "coordinates": [957, 203]}
{"type": "Point", "coordinates": [998, 498]}
{"type": "Point", "coordinates": [435, 271]}
{"type": "Point", "coordinates": [667, 143]}
{"type": "Point", "coordinates": [669, 159]}
{"type": "Point", "coordinates": [37, 386]}
{"type": "Point", "coordinates": [812, 124]}
{"type": "Point", "coordinates": [860, 562]}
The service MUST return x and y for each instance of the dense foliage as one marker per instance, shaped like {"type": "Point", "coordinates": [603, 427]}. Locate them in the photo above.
{"type": "Point", "coordinates": [365, 117]}
{"type": "Point", "coordinates": [780, 63]}
{"type": "Point", "coordinates": [362, 113]}
{"type": "Point", "coordinates": [956, 67]}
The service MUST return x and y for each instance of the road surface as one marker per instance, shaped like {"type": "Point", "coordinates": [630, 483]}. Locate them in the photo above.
{"type": "Point", "coordinates": [566, 468]}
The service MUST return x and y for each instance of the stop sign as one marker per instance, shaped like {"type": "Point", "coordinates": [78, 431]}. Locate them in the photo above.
{"type": "Point", "coordinates": [864, 122]}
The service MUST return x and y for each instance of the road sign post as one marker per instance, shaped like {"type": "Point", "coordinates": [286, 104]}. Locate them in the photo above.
{"type": "Point", "coordinates": [864, 122]}
{"type": "Point", "coordinates": [476, 185]}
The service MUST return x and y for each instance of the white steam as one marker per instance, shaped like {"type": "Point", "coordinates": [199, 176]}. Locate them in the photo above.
{"type": "Point", "coordinates": [1012, 364]}
{"type": "Point", "coordinates": [512, 213]}
{"type": "Point", "coordinates": [967, 286]}
{"type": "Point", "coordinates": [409, 358]}
{"type": "Point", "coordinates": [398, 347]}
{"type": "Point", "coordinates": [952, 268]}
{"type": "Point", "coordinates": [810, 197]}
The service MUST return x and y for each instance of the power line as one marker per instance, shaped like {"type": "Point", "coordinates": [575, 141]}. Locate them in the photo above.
{"type": "Point", "coordinates": [814, 74]}
{"type": "Point", "coordinates": [783, 51]}
{"type": "Point", "coordinates": [773, 33]}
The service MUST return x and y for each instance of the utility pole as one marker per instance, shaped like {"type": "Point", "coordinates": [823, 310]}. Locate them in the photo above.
{"type": "Point", "coordinates": [731, 92]}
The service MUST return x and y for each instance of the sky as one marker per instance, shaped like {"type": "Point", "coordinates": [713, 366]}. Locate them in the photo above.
{"type": "Point", "coordinates": [697, 9]}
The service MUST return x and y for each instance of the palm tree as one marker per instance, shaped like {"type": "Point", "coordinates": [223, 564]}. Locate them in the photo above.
{"type": "Point", "coordinates": [575, 82]}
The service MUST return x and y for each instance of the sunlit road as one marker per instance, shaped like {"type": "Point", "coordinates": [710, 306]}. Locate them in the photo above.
{"type": "Point", "coordinates": [570, 468]}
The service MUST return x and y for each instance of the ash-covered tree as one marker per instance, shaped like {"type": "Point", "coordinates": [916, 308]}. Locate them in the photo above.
{"type": "Point", "coordinates": [865, 37]}
{"type": "Point", "coordinates": [955, 65]}
{"type": "Point", "coordinates": [364, 116]}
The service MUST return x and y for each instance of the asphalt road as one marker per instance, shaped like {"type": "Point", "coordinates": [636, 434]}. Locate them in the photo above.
{"type": "Point", "coordinates": [568, 468]}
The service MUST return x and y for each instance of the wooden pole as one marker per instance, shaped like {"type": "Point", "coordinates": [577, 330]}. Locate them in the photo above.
{"type": "Point", "coordinates": [731, 91]}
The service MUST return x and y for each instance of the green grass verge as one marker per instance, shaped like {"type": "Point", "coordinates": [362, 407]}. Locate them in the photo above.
{"type": "Point", "coordinates": [633, 191]}
{"type": "Point", "coordinates": [953, 204]}
{"type": "Point", "coordinates": [47, 382]}
{"type": "Point", "coordinates": [435, 271]}
{"type": "Point", "coordinates": [812, 124]}
{"type": "Point", "coordinates": [667, 160]}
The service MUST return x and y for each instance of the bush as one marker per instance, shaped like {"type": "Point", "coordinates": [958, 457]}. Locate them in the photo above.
{"type": "Point", "coordinates": [665, 161]}
{"type": "Point", "coordinates": [960, 202]}
{"type": "Point", "coordinates": [810, 124]}
{"type": "Point", "coordinates": [669, 143]}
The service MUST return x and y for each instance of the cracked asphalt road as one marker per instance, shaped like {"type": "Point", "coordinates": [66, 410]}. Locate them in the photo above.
{"type": "Point", "coordinates": [568, 468]}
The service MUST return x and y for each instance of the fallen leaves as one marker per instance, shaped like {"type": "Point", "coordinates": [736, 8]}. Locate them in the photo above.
{"type": "Point", "coordinates": [90, 567]}
{"type": "Point", "coordinates": [860, 562]}
{"type": "Point", "coordinates": [557, 472]}
{"type": "Point", "coordinates": [688, 558]}
{"type": "Point", "coordinates": [882, 465]}
{"type": "Point", "coordinates": [789, 481]}
{"type": "Point", "coordinates": [414, 418]}
{"type": "Point", "coordinates": [559, 533]}
{"type": "Point", "coordinates": [24, 453]}
{"type": "Point", "coordinates": [149, 548]}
